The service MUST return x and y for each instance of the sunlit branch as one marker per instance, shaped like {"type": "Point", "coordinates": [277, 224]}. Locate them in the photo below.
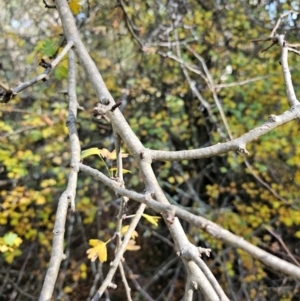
{"type": "Point", "coordinates": [237, 144]}
{"type": "Point", "coordinates": [292, 99]}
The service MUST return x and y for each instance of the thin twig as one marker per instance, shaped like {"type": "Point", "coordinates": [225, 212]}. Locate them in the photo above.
{"type": "Point", "coordinates": [115, 263]}
{"type": "Point", "coordinates": [137, 285]}
{"type": "Point", "coordinates": [130, 25]}
{"type": "Point", "coordinates": [40, 77]}
{"type": "Point", "coordinates": [278, 237]}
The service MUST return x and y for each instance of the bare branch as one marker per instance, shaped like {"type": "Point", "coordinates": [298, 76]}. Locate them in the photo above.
{"type": "Point", "coordinates": [237, 144]}
{"type": "Point", "coordinates": [201, 222]}
{"type": "Point", "coordinates": [42, 77]}
{"type": "Point", "coordinates": [4, 87]}
{"type": "Point", "coordinates": [68, 196]}
{"type": "Point", "coordinates": [292, 99]}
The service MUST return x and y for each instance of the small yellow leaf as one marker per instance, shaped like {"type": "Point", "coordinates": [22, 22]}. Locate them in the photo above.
{"type": "Point", "coordinates": [125, 229]}
{"type": "Point", "coordinates": [75, 6]}
{"type": "Point", "coordinates": [67, 289]}
{"type": "Point", "coordinates": [4, 248]}
{"type": "Point", "coordinates": [111, 155]}
{"type": "Point", "coordinates": [123, 170]}
{"type": "Point", "coordinates": [152, 219]}
{"type": "Point", "coordinates": [132, 246]}
{"type": "Point", "coordinates": [99, 250]}
{"type": "Point", "coordinates": [89, 152]}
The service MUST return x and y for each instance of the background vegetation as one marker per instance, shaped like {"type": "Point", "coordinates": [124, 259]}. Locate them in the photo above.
{"type": "Point", "coordinates": [135, 45]}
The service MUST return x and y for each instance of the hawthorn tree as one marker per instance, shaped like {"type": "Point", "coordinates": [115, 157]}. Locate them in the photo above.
{"type": "Point", "coordinates": [184, 84]}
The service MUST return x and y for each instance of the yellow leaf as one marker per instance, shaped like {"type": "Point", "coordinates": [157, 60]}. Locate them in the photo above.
{"type": "Point", "coordinates": [152, 219]}
{"type": "Point", "coordinates": [132, 246]}
{"type": "Point", "coordinates": [67, 289]}
{"type": "Point", "coordinates": [123, 170]}
{"type": "Point", "coordinates": [75, 6]}
{"type": "Point", "coordinates": [125, 229]}
{"type": "Point", "coordinates": [89, 152]}
{"type": "Point", "coordinates": [111, 155]}
{"type": "Point", "coordinates": [17, 241]}
{"type": "Point", "coordinates": [4, 248]}
{"type": "Point", "coordinates": [99, 250]}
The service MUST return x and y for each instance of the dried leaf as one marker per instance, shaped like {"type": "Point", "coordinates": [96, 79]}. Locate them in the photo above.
{"type": "Point", "coordinates": [105, 153]}
{"type": "Point", "coordinates": [132, 246]}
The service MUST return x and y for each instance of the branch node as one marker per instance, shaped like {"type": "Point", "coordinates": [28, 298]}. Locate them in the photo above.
{"type": "Point", "coordinates": [58, 231]}
{"type": "Point", "coordinates": [75, 167]}
{"type": "Point", "coordinates": [105, 101]}
{"type": "Point", "coordinates": [204, 250]}
{"type": "Point", "coordinates": [273, 118]}
{"type": "Point", "coordinates": [45, 78]}
{"type": "Point", "coordinates": [194, 285]}
{"type": "Point", "coordinates": [101, 109]}
{"type": "Point", "coordinates": [112, 285]}
{"type": "Point", "coordinates": [170, 216]}
{"type": "Point", "coordinates": [242, 149]}
{"type": "Point", "coordinates": [63, 92]}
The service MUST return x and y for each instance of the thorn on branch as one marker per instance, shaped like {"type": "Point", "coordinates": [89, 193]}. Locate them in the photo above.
{"type": "Point", "coordinates": [116, 105]}
{"type": "Point", "coordinates": [6, 96]}
{"type": "Point", "coordinates": [45, 64]}
{"type": "Point", "coordinates": [47, 5]}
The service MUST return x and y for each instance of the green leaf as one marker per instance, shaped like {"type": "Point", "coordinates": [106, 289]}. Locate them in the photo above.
{"type": "Point", "coordinates": [48, 48]}
{"type": "Point", "coordinates": [10, 238]}
{"type": "Point", "coordinates": [61, 72]}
